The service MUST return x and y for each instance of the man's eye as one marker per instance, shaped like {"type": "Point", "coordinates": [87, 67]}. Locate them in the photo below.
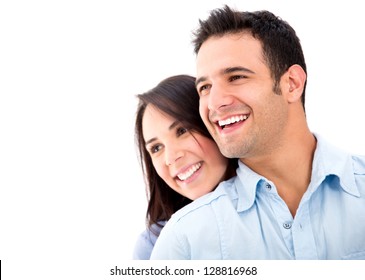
{"type": "Point", "coordinates": [203, 90]}
{"type": "Point", "coordinates": [236, 77]}
{"type": "Point", "coordinates": [181, 130]}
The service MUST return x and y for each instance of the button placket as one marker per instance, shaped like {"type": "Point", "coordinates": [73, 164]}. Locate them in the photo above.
{"type": "Point", "coordinates": [287, 225]}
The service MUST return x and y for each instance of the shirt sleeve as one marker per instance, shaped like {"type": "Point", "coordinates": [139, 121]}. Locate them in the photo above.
{"type": "Point", "coordinates": [143, 246]}
{"type": "Point", "coordinates": [146, 241]}
{"type": "Point", "coordinates": [170, 246]}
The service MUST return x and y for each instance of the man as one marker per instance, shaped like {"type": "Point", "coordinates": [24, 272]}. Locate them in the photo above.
{"type": "Point", "coordinates": [295, 196]}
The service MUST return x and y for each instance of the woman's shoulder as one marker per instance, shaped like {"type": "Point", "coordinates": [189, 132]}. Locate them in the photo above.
{"type": "Point", "coordinates": [146, 241]}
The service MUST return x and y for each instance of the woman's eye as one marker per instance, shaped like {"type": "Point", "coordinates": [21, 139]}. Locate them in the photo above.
{"type": "Point", "coordinates": [155, 148]}
{"type": "Point", "coordinates": [181, 130]}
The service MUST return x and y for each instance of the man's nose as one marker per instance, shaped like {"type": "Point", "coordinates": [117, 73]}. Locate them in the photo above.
{"type": "Point", "coordinates": [218, 97]}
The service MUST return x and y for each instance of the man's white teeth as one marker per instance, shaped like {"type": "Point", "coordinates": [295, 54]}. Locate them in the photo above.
{"type": "Point", "coordinates": [189, 172]}
{"type": "Point", "coordinates": [232, 120]}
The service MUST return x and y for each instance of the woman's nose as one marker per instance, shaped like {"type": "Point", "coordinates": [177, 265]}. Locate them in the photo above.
{"type": "Point", "coordinates": [172, 154]}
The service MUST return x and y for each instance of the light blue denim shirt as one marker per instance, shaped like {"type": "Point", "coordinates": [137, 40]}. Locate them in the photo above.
{"type": "Point", "coordinates": [245, 218]}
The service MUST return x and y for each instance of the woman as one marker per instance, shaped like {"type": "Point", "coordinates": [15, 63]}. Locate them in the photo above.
{"type": "Point", "coordinates": [180, 160]}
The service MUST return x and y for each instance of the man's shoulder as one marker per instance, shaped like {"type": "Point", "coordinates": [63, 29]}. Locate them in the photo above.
{"type": "Point", "coordinates": [332, 155]}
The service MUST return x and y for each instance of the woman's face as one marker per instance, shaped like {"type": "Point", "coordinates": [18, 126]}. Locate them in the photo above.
{"type": "Point", "coordinates": [191, 164]}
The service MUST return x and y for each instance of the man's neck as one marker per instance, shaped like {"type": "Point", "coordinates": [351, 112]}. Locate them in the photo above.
{"type": "Point", "coordinates": [289, 168]}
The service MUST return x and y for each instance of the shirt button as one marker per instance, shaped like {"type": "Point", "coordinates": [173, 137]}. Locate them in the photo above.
{"type": "Point", "coordinates": [268, 186]}
{"type": "Point", "coordinates": [287, 225]}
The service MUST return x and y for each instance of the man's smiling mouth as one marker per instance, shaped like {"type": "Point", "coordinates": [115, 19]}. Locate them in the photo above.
{"type": "Point", "coordinates": [232, 120]}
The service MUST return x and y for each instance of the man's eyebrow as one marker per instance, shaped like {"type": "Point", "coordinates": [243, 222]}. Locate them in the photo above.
{"type": "Point", "coordinates": [199, 80]}
{"type": "Point", "coordinates": [236, 69]}
{"type": "Point", "coordinates": [225, 72]}
{"type": "Point", "coordinates": [174, 124]}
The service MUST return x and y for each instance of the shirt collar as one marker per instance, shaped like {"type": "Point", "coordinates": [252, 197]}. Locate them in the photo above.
{"type": "Point", "coordinates": [246, 184]}
{"type": "Point", "coordinates": [327, 161]}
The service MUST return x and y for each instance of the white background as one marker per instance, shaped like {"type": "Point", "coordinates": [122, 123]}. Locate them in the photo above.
{"type": "Point", "coordinates": [72, 198]}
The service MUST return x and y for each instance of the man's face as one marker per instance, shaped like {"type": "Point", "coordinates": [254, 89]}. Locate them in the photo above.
{"type": "Point", "coordinates": [237, 102]}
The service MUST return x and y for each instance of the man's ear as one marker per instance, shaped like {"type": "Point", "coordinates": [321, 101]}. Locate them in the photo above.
{"type": "Point", "coordinates": [296, 78]}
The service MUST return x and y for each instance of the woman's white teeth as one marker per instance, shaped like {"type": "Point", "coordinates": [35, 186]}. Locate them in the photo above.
{"type": "Point", "coordinates": [189, 172]}
{"type": "Point", "coordinates": [233, 120]}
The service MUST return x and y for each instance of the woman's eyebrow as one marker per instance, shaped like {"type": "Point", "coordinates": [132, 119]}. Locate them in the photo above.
{"type": "Point", "coordinates": [172, 126]}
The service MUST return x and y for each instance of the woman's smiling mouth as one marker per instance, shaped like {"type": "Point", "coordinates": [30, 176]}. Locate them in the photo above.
{"type": "Point", "coordinates": [187, 174]}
